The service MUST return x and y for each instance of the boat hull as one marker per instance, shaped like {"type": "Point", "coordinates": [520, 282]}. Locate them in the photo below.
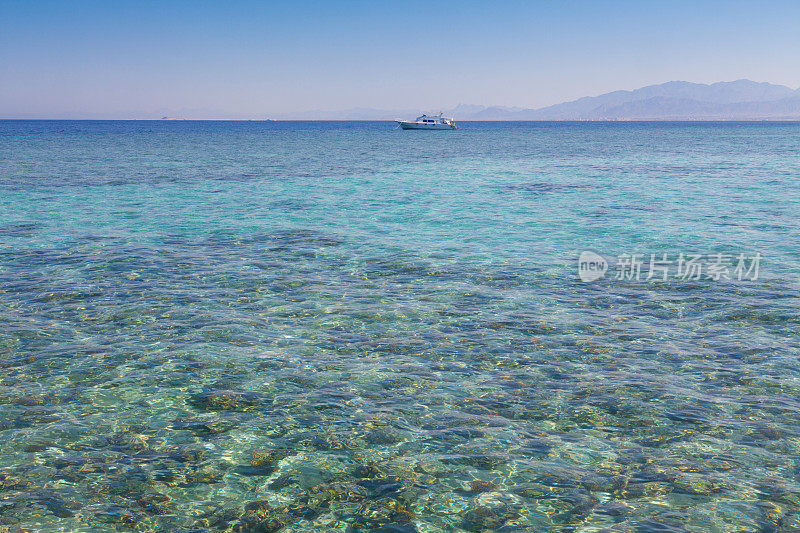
{"type": "Point", "coordinates": [420, 126]}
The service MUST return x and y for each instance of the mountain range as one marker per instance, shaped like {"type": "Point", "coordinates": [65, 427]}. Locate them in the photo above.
{"type": "Point", "coordinates": [674, 100]}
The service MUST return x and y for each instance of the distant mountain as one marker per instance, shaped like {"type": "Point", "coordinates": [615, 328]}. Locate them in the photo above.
{"type": "Point", "coordinates": [674, 100]}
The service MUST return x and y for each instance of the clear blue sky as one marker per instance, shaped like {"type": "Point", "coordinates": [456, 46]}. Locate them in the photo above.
{"type": "Point", "coordinates": [252, 58]}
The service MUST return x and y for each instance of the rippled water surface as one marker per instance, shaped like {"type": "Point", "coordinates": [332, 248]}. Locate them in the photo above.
{"type": "Point", "coordinates": [346, 327]}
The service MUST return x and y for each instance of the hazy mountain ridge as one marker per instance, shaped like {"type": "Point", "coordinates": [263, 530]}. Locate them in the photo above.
{"type": "Point", "coordinates": [674, 100]}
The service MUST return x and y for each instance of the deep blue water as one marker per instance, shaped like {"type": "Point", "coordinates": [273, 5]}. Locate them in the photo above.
{"type": "Point", "coordinates": [342, 326]}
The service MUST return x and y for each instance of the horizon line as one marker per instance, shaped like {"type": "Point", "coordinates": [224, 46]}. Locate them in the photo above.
{"type": "Point", "coordinates": [7, 119]}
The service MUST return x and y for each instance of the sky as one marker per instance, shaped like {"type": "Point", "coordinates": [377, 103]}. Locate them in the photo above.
{"type": "Point", "coordinates": [254, 59]}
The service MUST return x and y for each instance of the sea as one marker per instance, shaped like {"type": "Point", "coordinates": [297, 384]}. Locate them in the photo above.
{"type": "Point", "coordinates": [343, 326]}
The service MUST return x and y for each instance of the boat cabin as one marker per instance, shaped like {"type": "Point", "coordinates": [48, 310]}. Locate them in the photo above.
{"type": "Point", "coordinates": [425, 119]}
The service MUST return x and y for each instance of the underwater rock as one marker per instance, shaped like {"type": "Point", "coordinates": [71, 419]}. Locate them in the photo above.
{"type": "Point", "coordinates": [130, 484]}
{"type": "Point", "coordinates": [790, 522]}
{"type": "Point", "coordinates": [481, 485]}
{"type": "Point", "coordinates": [537, 448]}
{"type": "Point", "coordinates": [477, 486]}
{"type": "Point", "coordinates": [598, 483]}
{"type": "Point", "coordinates": [247, 470]}
{"type": "Point", "coordinates": [479, 461]}
{"type": "Point", "coordinates": [264, 462]}
{"type": "Point", "coordinates": [616, 510]}
{"type": "Point", "coordinates": [264, 457]}
{"type": "Point", "coordinates": [155, 503]}
{"type": "Point", "coordinates": [35, 415]}
{"type": "Point", "coordinates": [540, 491]}
{"type": "Point", "coordinates": [774, 516]}
{"type": "Point", "coordinates": [74, 460]}
{"type": "Point", "coordinates": [696, 485]}
{"type": "Point", "coordinates": [646, 489]}
{"type": "Point", "coordinates": [203, 476]}
{"type": "Point", "coordinates": [396, 383]}
{"type": "Point", "coordinates": [465, 433]}
{"type": "Point", "coordinates": [768, 432]}
{"type": "Point", "coordinates": [366, 472]}
{"type": "Point", "coordinates": [660, 439]}
{"type": "Point", "coordinates": [189, 454]}
{"type": "Point", "coordinates": [170, 473]}
{"type": "Point", "coordinates": [385, 515]}
{"type": "Point", "coordinates": [491, 510]}
{"type": "Point", "coordinates": [579, 512]}
{"type": "Point", "coordinates": [382, 436]}
{"type": "Point", "coordinates": [662, 524]}
{"type": "Point", "coordinates": [117, 514]}
{"type": "Point", "coordinates": [718, 464]}
{"type": "Point", "coordinates": [558, 477]}
{"type": "Point", "coordinates": [283, 481]}
{"type": "Point", "coordinates": [431, 469]}
{"type": "Point", "coordinates": [337, 491]}
{"type": "Point", "coordinates": [217, 517]}
{"type": "Point", "coordinates": [380, 487]}
{"type": "Point", "coordinates": [263, 517]}
{"type": "Point", "coordinates": [204, 425]}
{"type": "Point", "coordinates": [36, 399]}
{"type": "Point", "coordinates": [335, 441]}
{"type": "Point", "coordinates": [77, 467]}
{"type": "Point", "coordinates": [37, 444]}
{"type": "Point", "coordinates": [301, 381]}
{"type": "Point", "coordinates": [226, 400]}
{"type": "Point", "coordinates": [127, 442]}
{"type": "Point", "coordinates": [49, 500]}
{"type": "Point", "coordinates": [11, 482]}
{"type": "Point", "coordinates": [777, 491]}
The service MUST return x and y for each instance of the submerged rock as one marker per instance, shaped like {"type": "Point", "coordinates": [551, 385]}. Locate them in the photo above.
{"type": "Point", "coordinates": [646, 489]}
{"type": "Point", "coordinates": [335, 441]}
{"type": "Point", "coordinates": [11, 482]}
{"type": "Point", "coordinates": [201, 476]}
{"type": "Point", "coordinates": [579, 512]}
{"type": "Point", "coordinates": [205, 425]}
{"type": "Point", "coordinates": [615, 510]}
{"type": "Point", "coordinates": [247, 470]}
{"type": "Point", "coordinates": [477, 486]}
{"type": "Point", "coordinates": [226, 400]}
{"type": "Point", "coordinates": [342, 492]}
{"type": "Point", "coordinates": [264, 462]}
{"type": "Point", "coordinates": [380, 487]}
{"type": "Point", "coordinates": [263, 517]}
{"type": "Point", "coordinates": [491, 510]}
{"type": "Point", "coordinates": [155, 503]}
{"type": "Point", "coordinates": [263, 457]}
{"type": "Point", "coordinates": [37, 445]}
{"type": "Point", "coordinates": [384, 515]}
{"type": "Point", "coordinates": [382, 436]}
{"type": "Point", "coordinates": [117, 514]}
{"type": "Point", "coordinates": [53, 503]}
{"type": "Point", "coordinates": [696, 485]}
{"type": "Point", "coordinates": [479, 461]}
{"type": "Point", "coordinates": [283, 481]}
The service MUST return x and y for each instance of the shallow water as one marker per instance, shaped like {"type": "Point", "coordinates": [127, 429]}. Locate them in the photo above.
{"type": "Point", "coordinates": [347, 327]}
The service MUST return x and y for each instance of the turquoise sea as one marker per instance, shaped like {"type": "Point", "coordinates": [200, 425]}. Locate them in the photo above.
{"type": "Point", "coordinates": [322, 326]}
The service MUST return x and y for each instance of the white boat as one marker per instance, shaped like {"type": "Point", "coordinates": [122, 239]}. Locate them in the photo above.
{"type": "Point", "coordinates": [425, 122]}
